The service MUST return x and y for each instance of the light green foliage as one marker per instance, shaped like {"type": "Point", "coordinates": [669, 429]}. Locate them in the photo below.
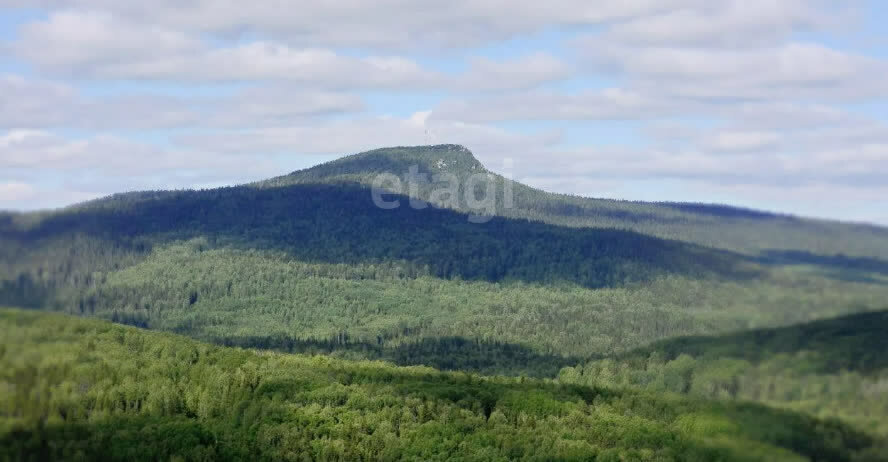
{"type": "Point", "coordinates": [831, 368]}
{"type": "Point", "coordinates": [80, 389]}
{"type": "Point", "coordinates": [307, 263]}
{"type": "Point", "coordinates": [254, 293]}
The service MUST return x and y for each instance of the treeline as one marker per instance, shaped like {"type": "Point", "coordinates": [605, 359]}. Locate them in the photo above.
{"type": "Point", "coordinates": [220, 293]}
{"type": "Point", "coordinates": [84, 390]}
{"type": "Point", "coordinates": [341, 225]}
{"type": "Point", "coordinates": [834, 368]}
{"type": "Point", "coordinates": [487, 357]}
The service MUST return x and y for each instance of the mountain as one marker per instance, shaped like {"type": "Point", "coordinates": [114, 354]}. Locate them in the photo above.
{"type": "Point", "coordinates": [731, 228]}
{"type": "Point", "coordinates": [458, 268]}
{"type": "Point", "coordinates": [84, 390]}
{"type": "Point", "coordinates": [303, 260]}
{"type": "Point", "coordinates": [448, 158]}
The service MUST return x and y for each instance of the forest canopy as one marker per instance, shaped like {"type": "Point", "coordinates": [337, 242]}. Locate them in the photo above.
{"type": "Point", "coordinates": [692, 302]}
{"type": "Point", "coordinates": [79, 389]}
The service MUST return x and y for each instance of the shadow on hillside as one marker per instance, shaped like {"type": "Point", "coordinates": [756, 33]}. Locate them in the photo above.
{"type": "Point", "coordinates": [450, 353]}
{"type": "Point", "coordinates": [568, 209]}
{"type": "Point", "coordinates": [341, 224]}
{"type": "Point", "coordinates": [24, 292]}
{"type": "Point", "coordinates": [855, 343]}
{"type": "Point", "coordinates": [839, 266]}
{"type": "Point", "coordinates": [724, 211]}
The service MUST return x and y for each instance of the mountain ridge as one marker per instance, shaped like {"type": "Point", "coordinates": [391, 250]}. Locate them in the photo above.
{"type": "Point", "coordinates": [751, 232]}
{"type": "Point", "coordinates": [398, 159]}
{"type": "Point", "coordinates": [449, 154]}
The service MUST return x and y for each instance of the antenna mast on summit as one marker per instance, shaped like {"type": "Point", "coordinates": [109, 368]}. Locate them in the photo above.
{"type": "Point", "coordinates": [429, 136]}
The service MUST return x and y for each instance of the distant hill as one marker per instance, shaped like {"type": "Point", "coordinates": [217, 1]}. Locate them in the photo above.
{"type": "Point", "coordinates": [831, 368]}
{"type": "Point", "coordinates": [747, 231]}
{"type": "Point", "coordinates": [720, 226]}
{"type": "Point", "coordinates": [848, 343]}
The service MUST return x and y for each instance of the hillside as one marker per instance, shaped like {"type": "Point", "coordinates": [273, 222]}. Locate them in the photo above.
{"type": "Point", "coordinates": [308, 262]}
{"type": "Point", "coordinates": [84, 389]}
{"type": "Point", "coordinates": [751, 232]}
{"type": "Point", "coordinates": [834, 367]}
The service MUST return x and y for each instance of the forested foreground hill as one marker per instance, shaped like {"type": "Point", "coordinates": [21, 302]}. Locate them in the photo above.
{"type": "Point", "coordinates": [836, 367]}
{"type": "Point", "coordinates": [78, 389]}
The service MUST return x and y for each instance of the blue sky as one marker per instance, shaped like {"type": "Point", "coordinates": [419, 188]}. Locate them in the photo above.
{"type": "Point", "coordinates": [774, 105]}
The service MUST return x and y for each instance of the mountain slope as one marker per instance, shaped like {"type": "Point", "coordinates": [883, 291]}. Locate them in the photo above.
{"type": "Point", "coordinates": [307, 259]}
{"type": "Point", "coordinates": [83, 389]}
{"type": "Point", "coordinates": [310, 262]}
{"type": "Point", "coordinates": [835, 368]}
{"type": "Point", "coordinates": [730, 228]}
{"type": "Point", "coordinates": [760, 234]}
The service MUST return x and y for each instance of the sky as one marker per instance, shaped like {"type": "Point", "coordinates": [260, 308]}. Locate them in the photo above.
{"type": "Point", "coordinates": [777, 105]}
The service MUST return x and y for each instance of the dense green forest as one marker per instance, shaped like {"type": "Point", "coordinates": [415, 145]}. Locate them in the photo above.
{"type": "Point", "coordinates": [78, 389]}
{"type": "Point", "coordinates": [837, 367]}
{"type": "Point", "coordinates": [223, 293]}
{"type": "Point", "coordinates": [525, 285]}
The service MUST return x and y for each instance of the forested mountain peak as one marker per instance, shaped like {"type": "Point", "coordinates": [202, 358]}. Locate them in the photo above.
{"type": "Point", "coordinates": [427, 173]}
{"type": "Point", "coordinates": [400, 160]}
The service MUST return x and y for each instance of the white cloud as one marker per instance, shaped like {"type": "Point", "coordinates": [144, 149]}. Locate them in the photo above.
{"type": "Point", "coordinates": [34, 148]}
{"type": "Point", "coordinates": [728, 23]}
{"type": "Point", "coordinates": [393, 24]}
{"type": "Point", "coordinates": [100, 46]}
{"type": "Point", "coordinates": [795, 63]}
{"type": "Point", "coordinates": [726, 141]}
{"type": "Point", "coordinates": [104, 46]}
{"type": "Point", "coordinates": [18, 195]}
{"type": "Point", "coordinates": [37, 104]}
{"type": "Point", "coordinates": [791, 116]}
{"type": "Point", "coordinates": [37, 150]}
{"type": "Point", "coordinates": [77, 41]}
{"type": "Point", "coordinates": [276, 105]}
{"type": "Point", "coordinates": [34, 103]}
{"type": "Point", "coordinates": [786, 72]}
{"type": "Point", "coordinates": [15, 191]}
{"type": "Point", "coordinates": [521, 73]}
{"type": "Point", "coordinates": [855, 166]}
{"type": "Point", "coordinates": [259, 61]}
{"type": "Point", "coordinates": [610, 103]}
{"type": "Point", "coordinates": [361, 134]}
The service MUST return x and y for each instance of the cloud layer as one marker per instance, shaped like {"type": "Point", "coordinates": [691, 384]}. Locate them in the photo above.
{"type": "Point", "coordinates": [740, 100]}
